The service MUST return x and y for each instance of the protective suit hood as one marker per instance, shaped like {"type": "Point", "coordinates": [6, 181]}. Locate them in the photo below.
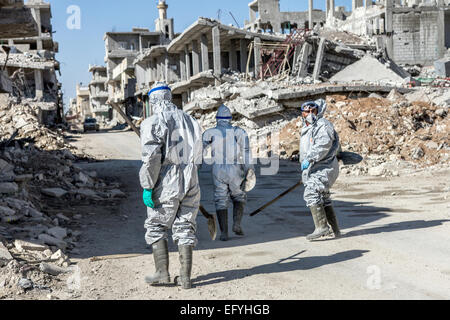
{"type": "Point", "coordinates": [160, 97]}
{"type": "Point", "coordinates": [320, 112]}
{"type": "Point", "coordinates": [224, 115]}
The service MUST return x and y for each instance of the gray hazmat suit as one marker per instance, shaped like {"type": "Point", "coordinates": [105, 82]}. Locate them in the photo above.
{"type": "Point", "coordinates": [171, 152]}
{"type": "Point", "coordinates": [319, 144]}
{"type": "Point", "coordinates": [231, 159]}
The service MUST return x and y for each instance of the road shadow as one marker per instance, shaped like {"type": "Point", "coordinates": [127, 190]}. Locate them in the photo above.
{"type": "Point", "coordinates": [397, 226]}
{"type": "Point", "coordinates": [122, 231]}
{"type": "Point", "coordinates": [292, 263]}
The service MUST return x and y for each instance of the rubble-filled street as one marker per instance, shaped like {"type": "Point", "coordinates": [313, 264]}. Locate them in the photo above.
{"type": "Point", "coordinates": [347, 106]}
{"type": "Point", "coordinates": [380, 219]}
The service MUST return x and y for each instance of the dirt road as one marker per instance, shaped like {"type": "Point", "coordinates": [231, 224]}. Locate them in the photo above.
{"type": "Point", "coordinates": [396, 240]}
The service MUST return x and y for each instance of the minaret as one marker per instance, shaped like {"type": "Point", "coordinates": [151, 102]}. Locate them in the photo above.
{"type": "Point", "coordinates": [162, 8]}
{"type": "Point", "coordinates": [162, 24]}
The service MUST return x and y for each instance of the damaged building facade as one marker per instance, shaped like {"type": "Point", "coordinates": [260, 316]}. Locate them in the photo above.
{"type": "Point", "coordinates": [122, 48]}
{"type": "Point", "coordinates": [411, 31]}
{"type": "Point", "coordinates": [15, 21]}
{"type": "Point", "coordinates": [83, 103]}
{"type": "Point", "coordinates": [98, 93]}
{"type": "Point", "coordinates": [307, 47]}
{"type": "Point", "coordinates": [30, 62]}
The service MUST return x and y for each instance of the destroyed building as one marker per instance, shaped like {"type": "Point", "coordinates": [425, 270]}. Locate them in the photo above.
{"type": "Point", "coordinates": [15, 21]}
{"type": "Point", "coordinates": [83, 104]}
{"type": "Point", "coordinates": [265, 16]}
{"type": "Point", "coordinates": [31, 65]}
{"type": "Point", "coordinates": [199, 55]}
{"type": "Point", "coordinates": [122, 49]}
{"type": "Point", "coordinates": [412, 32]}
{"type": "Point", "coordinates": [262, 75]}
{"type": "Point", "coordinates": [98, 93]}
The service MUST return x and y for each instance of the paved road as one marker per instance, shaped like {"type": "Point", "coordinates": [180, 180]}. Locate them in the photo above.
{"type": "Point", "coordinates": [396, 244]}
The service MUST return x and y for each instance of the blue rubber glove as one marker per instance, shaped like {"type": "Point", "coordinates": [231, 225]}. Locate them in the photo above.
{"type": "Point", "coordinates": [147, 197]}
{"type": "Point", "coordinates": [305, 164]}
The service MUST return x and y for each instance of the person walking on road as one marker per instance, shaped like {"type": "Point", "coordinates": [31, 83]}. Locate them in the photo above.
{"type": "Point", "coordinates": [171, 152]}
{"type": "Point", "coordinates": [232, 169]}
{"type": "Point", "coordinates": [319, 145]}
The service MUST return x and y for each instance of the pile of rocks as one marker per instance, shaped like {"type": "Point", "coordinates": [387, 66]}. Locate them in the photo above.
{"type": "Point", "coordinates": [21, 119]}
{"type": "Point", "coordinates": [388, 128]}
{"type": "Point", "coordinates": [389, 132]}
{"type": "Point", "coordinates": [43, 194]}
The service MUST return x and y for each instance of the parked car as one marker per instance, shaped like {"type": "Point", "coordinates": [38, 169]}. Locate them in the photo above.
{"type": "Point", "coordinates": [90, 124]}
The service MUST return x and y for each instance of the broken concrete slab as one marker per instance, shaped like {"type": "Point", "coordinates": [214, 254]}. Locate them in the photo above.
{"type": "Point", "coordinates": [368, 69]}
{"type": "Point", "coordinates": [62, 217]}
{"type": "Point", "coordinates": [5, 167]}
{"type": "Point", "coordinates": [52, 269]}
{"type": "Point", "coordinates": [23, 178]}
{"type": "Point", "coordinates": [317, 90]}
{"type": "Point", "coordinates": [22, 245]}
{"type": "Point", "coordinates": [255, 92]}
{"type": "Point", "coordinates": [5, 83]}
{"type": "Point", "coordinates": [5, 211]}
{"type": "Point", "coordinates": [116, 193]}
{"type": "Point", "coordinates": [54, 192]}
{"type": "Point", "coordinates": [58, 232]}
{"type": "Point", "coordinates": [256, 107]}
{"type": "Point", "coordinates": [442, 67]}
{"type": "Point", "coordinates": [5, 256]}
{"type": "Point", "coordinates": [89, 193]}
{"type": "Point", "coordinates": [84, 179]}
{"type": "Point", "coordinates": [52, 241]}
{"type": "Point", "coordinates": [8, 188]}
{"type": "Point", "coordinates": [58, 255]}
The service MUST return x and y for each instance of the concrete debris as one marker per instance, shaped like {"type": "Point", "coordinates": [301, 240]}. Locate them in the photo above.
{"type": "Point", "coordinates": [393, 121]}
{"type": "Point", "coordinates": [5, 211]}
{"type": "Point", "coordinates": [376, 171]}
{"type": "Point", "coordinates": [52, 269]}
{"type": "Point", "coordinates": [368, 69]}
{"type": "Point", "coordinates": [54, 192]}
{"type": "Point", "coordinates": [442, 67]}
{"type": "Point", "coordinates": [22, 246]}
{"type": "Point", "coordinates": [25, 284]}
{"type": "Point", "coordinates": [5, 256]}
{"type": "Point", "coordinates": [58, 232]}
{"type": "Point", "coordinates": [41, 189]}
{"type": "Point", "coordinates": [394, 95]}
{"type": "Point", "coordinates": [52, 241]}
{"type": "Point", "coordinates": [8, 188]}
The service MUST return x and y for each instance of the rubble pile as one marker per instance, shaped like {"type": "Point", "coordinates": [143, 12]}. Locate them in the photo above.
{"type": "Point", "coordinates": [386, 128]}
{"type": "Point", "coordinates": [22, 120]}
{"type": "Point", "coordinates": [42, 195]}
{"type": "Point", "coordinates": [389, 134]}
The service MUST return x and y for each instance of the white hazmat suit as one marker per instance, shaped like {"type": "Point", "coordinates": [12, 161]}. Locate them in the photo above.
{"type": "Point", "coordinates": [171, 151]}
{"type": "Point", "coordinates": [231, 161]}
{"type": "Point", "coordinates": [319, 144]}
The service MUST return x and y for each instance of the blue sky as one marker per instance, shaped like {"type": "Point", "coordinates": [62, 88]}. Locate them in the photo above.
{"type": "Point", "coordinates": [80, 47]}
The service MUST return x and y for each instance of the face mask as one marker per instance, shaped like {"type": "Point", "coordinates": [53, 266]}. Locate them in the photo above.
{"type": "Point", "coordinates": [311, 118]}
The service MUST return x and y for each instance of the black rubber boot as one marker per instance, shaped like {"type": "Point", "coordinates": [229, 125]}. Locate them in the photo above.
{"type": "Point", "coordinates": [320, 223]}
{"type": "Point", "coordinates": [161, 257]}
{"type": "Point", "coordinates": [222, 216]}
{"type": "Point", "coordinates": [332, 221]}
{"type": "Point", "coordinates": [238, 213]}
{"type": "Point", "coordinates": [186, 267]}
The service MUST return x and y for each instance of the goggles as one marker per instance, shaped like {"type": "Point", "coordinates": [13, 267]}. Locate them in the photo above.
{"type": "Point", "coordinates": [308, 106]}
